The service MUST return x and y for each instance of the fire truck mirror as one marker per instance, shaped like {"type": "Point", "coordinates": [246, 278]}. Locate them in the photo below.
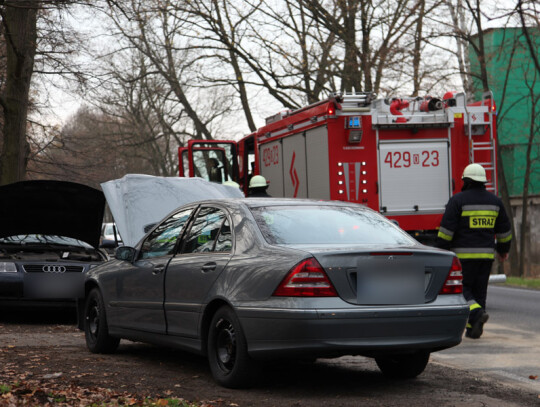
{"type": "Point", "coordinates": [355, 136]}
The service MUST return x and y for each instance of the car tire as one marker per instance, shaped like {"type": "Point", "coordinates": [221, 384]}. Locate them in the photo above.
{"type": "Point", "coordinates": [228, 358]}
{"type": "Point", "coordinates": [403, 366]}
{"type": "Point", "coordinates": [96, 330]}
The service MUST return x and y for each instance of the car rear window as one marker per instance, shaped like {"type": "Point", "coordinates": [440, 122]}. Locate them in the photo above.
{"type": "Point", "coordinates": [326, 225]}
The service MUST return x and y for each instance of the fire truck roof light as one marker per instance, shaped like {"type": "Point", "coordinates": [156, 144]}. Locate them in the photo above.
{"type": "Point", "coordinates": [331, 110]}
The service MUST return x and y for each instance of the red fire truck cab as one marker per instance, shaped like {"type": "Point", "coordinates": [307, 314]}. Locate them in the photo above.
{"type": "Point", "coordinates": [403, 157]}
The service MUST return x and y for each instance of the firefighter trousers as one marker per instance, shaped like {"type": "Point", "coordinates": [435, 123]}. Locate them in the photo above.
{"type": "Point", "coordinates": [475, 281]}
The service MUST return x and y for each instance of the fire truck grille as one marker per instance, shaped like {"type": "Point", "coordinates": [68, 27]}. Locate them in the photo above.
{"type": "Point", "coordinates": [52, 268]}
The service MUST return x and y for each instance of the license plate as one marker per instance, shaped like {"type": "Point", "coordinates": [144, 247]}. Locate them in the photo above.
{"type": "Point", "coordinates": [390, 282]}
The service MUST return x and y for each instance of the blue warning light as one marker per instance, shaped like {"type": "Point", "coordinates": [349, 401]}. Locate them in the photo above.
{"type": "Point", "coordinates": [354, 122]}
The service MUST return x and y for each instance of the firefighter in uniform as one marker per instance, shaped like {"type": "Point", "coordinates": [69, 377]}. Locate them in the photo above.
{"type": "Point", "coordinates": [258, 187]}
{"type": "Point", "coordinates": [471, 221]}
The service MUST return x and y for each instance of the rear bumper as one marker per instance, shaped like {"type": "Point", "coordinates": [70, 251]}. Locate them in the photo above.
{"type": "Point", "coordinates": [336, 332]}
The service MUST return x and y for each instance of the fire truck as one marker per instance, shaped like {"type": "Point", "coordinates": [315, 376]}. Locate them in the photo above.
{"type": "Point", "coordinates": [402, 157]}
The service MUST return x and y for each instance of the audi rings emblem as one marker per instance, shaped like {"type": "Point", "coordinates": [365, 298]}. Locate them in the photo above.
{"type": "Point", "coordinates": [54, 269]}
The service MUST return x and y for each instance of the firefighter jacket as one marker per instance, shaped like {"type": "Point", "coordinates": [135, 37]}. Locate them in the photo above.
{"type": "Point", "coordinates": [473, 219]}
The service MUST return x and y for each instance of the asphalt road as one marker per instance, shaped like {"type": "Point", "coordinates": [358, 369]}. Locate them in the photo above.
{"type": "Point", "coordinates": [509, 349]}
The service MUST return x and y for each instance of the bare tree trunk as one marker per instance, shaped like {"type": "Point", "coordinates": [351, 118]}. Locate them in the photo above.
{"type": "Point", "coordinates": [417, 54]}
{"type": "Point", "coordinates": [480, 48]}
{"type": "Point", "coordinates": [19, 20]}
{"type": "Point", "coordinates": [533, 50]}
{"type": "Point", "coordinates": [533, 131]}
{"type": "Point", "coordinates": [229, 43]}
{"type": "Point", "coordinates": [501, 176]}
{"type": "Point", "coordinates": [351, 73]}
{"type": "Point", "coordinates": [365, 56]}
{"type": "Point", "coordinates": [458, 18]}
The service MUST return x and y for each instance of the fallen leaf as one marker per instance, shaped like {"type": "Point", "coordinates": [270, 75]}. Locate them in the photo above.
{"type": "Point", "coordinates": [533, 377]}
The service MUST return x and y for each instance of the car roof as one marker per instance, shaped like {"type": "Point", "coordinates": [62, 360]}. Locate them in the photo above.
{"type": "Point", "coordinates": [265, 202]}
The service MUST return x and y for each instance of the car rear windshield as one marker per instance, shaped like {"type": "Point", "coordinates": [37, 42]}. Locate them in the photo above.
{"type": "Point", "coordinates": [326, 225]}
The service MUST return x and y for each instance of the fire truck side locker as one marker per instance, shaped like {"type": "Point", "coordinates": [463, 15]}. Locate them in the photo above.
{"type": "Point", "coordinates": [271, 166]}
{"type": "Point", "coordinates": [318, 163]}
{"type": "Point", "coordinates": [297, 165]}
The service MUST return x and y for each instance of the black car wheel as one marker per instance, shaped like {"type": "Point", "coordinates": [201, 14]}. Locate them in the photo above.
{"type": "Point", "coordinates": [96, 331]}
{"type": "Point", "coordinates": [403, 366]}
{"type": "Point", "coordinates": [229, 361]}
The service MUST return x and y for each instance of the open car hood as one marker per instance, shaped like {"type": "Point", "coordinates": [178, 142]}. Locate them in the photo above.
{"type": "Point", "coordinates": [137, 201]}
{"type": "Point", "coordinates": [52, 208]}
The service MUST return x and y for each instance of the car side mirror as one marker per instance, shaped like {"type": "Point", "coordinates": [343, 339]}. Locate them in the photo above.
{"type": "Point", "coordinates": [148, 228]}
{"type": "Point", "coordinates": [125, 253]}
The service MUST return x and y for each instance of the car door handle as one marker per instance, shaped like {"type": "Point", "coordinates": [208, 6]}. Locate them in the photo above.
{"type": "Point", "coordinates": [209, 267]}
{"type": "Point", "coordinates": [158, 269]}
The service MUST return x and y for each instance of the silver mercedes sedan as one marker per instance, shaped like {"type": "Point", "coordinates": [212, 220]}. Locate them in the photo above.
{"type": "Point", "coordinates": [246, 280]}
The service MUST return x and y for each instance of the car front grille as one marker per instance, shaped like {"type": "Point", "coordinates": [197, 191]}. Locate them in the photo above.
{"type": "Point", "coordinates": [52, 268]}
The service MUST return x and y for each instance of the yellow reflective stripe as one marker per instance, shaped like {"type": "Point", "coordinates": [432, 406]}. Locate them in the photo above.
{"type": "Point", "coordinates": [505, 239]}
{"type": "Point", "coordinates": [475, 256]}
{"type": "Point", "coordinates": [480, 213]}
{"type": "Point", "coordinates": [474, 306]}
{"type": "Point", "coordinates": [468, 325]}
{"type": "Point", "coordinates": [444, 236]}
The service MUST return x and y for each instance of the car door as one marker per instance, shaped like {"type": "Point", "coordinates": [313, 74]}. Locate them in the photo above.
{"type": "Point", "coordinates": [206, 249]}
{"type": "Point", "coordinates": [139, 286]}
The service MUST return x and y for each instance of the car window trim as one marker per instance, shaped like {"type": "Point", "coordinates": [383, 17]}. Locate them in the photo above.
{"type": "Point", "coordinates": [179, 238]}
{"type": "Point", "coordinates": [192, 220]}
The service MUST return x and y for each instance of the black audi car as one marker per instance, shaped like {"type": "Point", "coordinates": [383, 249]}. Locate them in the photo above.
{"type": "Point", "coordinates": [49, 238]}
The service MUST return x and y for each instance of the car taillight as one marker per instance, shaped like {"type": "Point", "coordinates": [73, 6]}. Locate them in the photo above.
{"type": "Point", "coordinates": [306, 279]}
{"type": "Point", "coordinates": [454, 281]}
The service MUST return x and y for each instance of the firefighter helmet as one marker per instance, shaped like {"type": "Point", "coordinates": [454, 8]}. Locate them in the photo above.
{"type": "Point", "coordinates": [475, 172]}
{"type": "Point", "coordinates": [257, 181]}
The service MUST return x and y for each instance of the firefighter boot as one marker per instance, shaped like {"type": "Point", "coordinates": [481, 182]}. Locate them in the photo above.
{"type": "Point", "coordinates": [477, 320]}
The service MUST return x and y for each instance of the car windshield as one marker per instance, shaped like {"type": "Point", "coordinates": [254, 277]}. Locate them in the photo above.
{"type": "Point", "coordinates": [326, 225]}
{"type": "Point", "coordinates": [43, 240]}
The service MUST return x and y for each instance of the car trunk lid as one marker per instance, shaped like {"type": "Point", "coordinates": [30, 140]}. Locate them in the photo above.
{"type": "Point", "coordinates": [385, 276]}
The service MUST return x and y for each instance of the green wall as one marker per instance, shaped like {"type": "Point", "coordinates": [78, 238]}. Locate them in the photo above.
{"type": "Point", "coordinates": [511, 72]}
